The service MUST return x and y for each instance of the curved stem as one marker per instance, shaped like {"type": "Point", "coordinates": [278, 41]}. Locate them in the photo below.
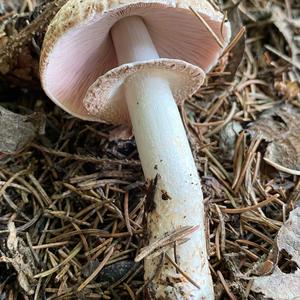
{"type": "Point", "coordinates": [164, 152]}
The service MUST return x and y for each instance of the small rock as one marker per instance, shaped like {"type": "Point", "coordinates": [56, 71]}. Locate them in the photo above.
{"type": "Point", "coordinates": [116, 271]}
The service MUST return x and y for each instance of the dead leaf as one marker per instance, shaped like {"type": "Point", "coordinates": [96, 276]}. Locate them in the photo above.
{"type": "Point", "coordinates": [282, 22]}
{"type": "Point", "coordinates": [19, 256]}
{"type": "Point", "coordinates": [17, 131]}
{"type": "Point", "coordinates": [288, 237]}
{"type": "Point", "coordinates": [280, 127]}
{"type": "Point", "coordinates": [279, 285]}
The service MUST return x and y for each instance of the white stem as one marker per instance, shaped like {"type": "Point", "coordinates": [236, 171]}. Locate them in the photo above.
{"type": "Point", "coordinates": [164, 150]}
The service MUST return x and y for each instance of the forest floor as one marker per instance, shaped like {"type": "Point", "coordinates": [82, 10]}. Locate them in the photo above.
{"type": "Point", "coordinates": [73, 196]}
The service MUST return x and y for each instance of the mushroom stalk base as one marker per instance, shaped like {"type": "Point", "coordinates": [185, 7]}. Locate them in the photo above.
{"type": "Point", "coordinates": [165, 154]}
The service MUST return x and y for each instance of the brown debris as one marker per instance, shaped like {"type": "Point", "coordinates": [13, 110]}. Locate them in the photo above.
{"type": "Point", "coordinates": [17, 131]}
{"type": "Point", "coordinates": [284, 285]}
{"type": "Point", "coordinates": [17, 41]}
{"type": "Point", "coordinates": [19, 256]}
{"type": "Point", "coordinates": [280, 128]}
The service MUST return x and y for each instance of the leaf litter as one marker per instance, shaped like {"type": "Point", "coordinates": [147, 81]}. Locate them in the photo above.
{"type": "Point", "coordinates": [20, 257]}
{"type": "Point", "coordinates": [78, 195]}
{"type": "Point", "coordinates": [17, 131]}
{"type": "Point", "coordinates": [280, 128]}
{"type": "Point", "coordinates": [280, 285]}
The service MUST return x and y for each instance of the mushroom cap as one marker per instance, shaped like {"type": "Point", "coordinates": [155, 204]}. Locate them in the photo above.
{"type": "Point", "coordinates": [78, 56]}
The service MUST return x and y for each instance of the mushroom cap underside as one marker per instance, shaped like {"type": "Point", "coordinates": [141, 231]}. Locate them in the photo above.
{"type": "Point", "coordinates": [78, 48]}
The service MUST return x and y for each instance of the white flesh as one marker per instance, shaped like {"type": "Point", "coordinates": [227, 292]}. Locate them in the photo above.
{"type": "Point", "coordinates": [164, 151]}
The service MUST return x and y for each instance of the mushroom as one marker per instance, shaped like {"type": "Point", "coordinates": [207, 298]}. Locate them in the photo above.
{"type": "Point", "coordinates": [130, 63]}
